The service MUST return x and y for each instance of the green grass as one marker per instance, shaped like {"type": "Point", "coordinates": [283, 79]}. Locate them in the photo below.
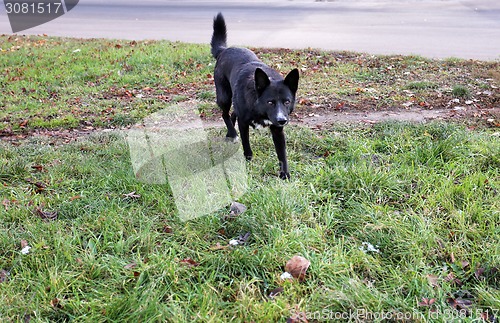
{"type": "Point", "coordinates": [461, 91]}
{"type": "Point", "coordinates": [106, 247]}
{"type": "Point", "coordinates": [425, 195]}
{"type": "Point", "coordinates": [61, 83]}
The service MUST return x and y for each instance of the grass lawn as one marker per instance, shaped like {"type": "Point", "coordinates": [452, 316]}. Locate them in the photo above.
{"type": "Point", "coordinates": [399, 221]}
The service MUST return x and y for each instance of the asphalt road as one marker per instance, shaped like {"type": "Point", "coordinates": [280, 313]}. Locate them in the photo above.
{"type": "Point", "coordinates": [431, 28]}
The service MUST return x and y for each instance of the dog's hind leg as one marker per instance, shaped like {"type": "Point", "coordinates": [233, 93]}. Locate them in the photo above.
{"type": "Point", "coordinates": [231, 131]}
{"type": "Point", "coordinates": [280, 146]}
{"type": "Point", "coordinates": [224, 98]}
{"type": "Point", "coordinates": [233, 118]}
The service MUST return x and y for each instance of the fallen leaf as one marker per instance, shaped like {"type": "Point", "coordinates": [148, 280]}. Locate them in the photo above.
{"type": "Point", "coordinates": [479, 272]}
{"type": "Point", "coordinates": [190, 262]}
{"type": "Point", "coordinates": [242, 239]}
{"type": "Point", "coordinates": [452, 257]}
{"type": "Point", "coordinates": [39, 186]}
{"type": "Point", "coordinates": [167, 229]}
{"type": "Point", "coordinates": [459, 303]}
{"type": "Point", "coordinates": [38, 168]}
{"type": "Point", "coordinates": [453, 279]}
{"type": "Point", "coordinates": [297, 267]}
{"type": "Point", "coordinates": [46, 215]}
{"type": "Point", "coordinates": [218, 246]}
{"type": "Point", "coordinates": [3, 275]}
{"type": "Point", "coordinates": [426, 301]}
{"type": "Point", "coordinates": [55, 303]}
{"type": "Point", "coordinates": [6, 204]}
{"type": "Point", "coordinates": [76, 197]}
{"type": "Point", "coordinates": [298, 317]}
{"type": "Point", "coordinates": [276, 292]}
{"type": "Point", "coordinates": [24, 244]}
{"type": "Point", "coordinates": [131, 195]}
{"type": "Point", "coordinates": [237, 208]}
{"type": "Point", "coordinates": [433, 280]}
{"type": "Point", "coordinates": [130, 266]}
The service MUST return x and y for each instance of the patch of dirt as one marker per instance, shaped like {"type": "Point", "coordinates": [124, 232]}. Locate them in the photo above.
{"type": "Point", "coordinates": [312, 118]}
{"type": "Point", "coordinates": [487, 117]}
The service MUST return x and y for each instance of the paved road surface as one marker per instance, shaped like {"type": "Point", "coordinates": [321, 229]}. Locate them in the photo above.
{"type": "Point", "coordinates": [432, 28]}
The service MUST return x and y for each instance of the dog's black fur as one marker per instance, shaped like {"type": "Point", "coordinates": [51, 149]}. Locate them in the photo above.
{"type": "Point", "coordinates": [259, 94]}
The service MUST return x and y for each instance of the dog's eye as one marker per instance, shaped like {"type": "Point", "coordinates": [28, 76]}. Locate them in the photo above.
{"type": "Point", "coordinates": [271, 103]}
{"type": "Point", "coordinates": [286, 102]}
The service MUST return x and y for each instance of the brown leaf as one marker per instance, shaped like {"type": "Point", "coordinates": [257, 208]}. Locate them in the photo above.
{"type": "Point", "coordinates": [479, 272]}
{"type": "Point", "coordinates": [453, 279]}
{"type": "Point", "coordinates": [130, 266]}
{"type": "Point", "coordinates": [131, 195]}
{"type": "Point", "coordinates": [190, 262]}
{"type": "Point", "coordinates": [76, 197]}
{"type": "Point", "coordinates": [46, 215]}
{"type": "Point", "coordinates": [237, 208]}
{"type": "Point", "coordinates": [24, 244]}
{"type": "Point", "coordinates": [39, 186]}
{"type": "Point", "coordinates": [167, 229]}
{"type": "Point", "coordinates": [433, 280]}
{"type": "Point", "coordinates": [38, 168]}
{"type": "Point", "coordinates": [298, 317]}
{"type": "Point", "coordinates": [459, 303]}
{"type": "Point", "coordinates": [6, 204]}
{"type": "Point", "coordinates": [3, 275]}
{"type": "Point", "coordinates": [55, 303]}
{"type": "Point", "coordinates": [276, 292]}
{"type": "Point", "coordinates": [297, 267]}
{"type": "Point", "coordinates": [218, 246]}
{"type": "Point", "coordinates": [426, 301]}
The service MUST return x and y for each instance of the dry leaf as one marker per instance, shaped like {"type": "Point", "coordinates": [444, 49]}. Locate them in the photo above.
{"type": "Point", "coordinates": [276, 292]}
{"type": "Point", "coordinates": [297, 267]}
{"type": "Point", "coordinates": [130, 266]}
{"type": "Point", "coordinates": [218, 246]}
{"type": "Point", "coordinates": [3, 275]}
{"type": "Point", "coordinates": [237, 209]}
{"type": "Point", "coordinates": [433, 280]}
{"type": "Point", "coordinates": [38, 168]}
{"type": "Point", "coordinates": [55, 303]}
{"type": "Point", "coordinates": [426, 301]}
{"type": "Point", "coordinates": [46, 215]}
{"type": "Point", "coordinates": [167, 229]}
{"type": "Point", "coordinates": [190, 262]}
{"type": "Point", "coordinates": [131, 195]}
{"type": "Point", "coordinates": [459, 303]}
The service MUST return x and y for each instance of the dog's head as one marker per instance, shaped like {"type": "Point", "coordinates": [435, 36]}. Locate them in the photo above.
{"type": "Point", "coordinates": [276, 97]}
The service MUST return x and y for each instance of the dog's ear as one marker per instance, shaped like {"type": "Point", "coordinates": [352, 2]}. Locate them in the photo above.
{"type": "Point", "coordinates": [261, 81]}
{"type": "Point", "coordinates": [292, 80]}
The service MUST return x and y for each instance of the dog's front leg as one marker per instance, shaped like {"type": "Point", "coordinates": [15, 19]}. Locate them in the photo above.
{"type": "Point", "coordinates": [245, 139]}
{"type": "Point", "coordinates": [280, 146]}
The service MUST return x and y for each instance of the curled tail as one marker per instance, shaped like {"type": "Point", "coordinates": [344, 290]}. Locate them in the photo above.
{"type": "Point", "coordinates": [219, 36]}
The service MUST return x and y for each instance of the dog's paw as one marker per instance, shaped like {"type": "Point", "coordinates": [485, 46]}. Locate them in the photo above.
{"type": "Point", "coordinates": [232, 139]}
{"type": "Point", "coordinates": [284, 175]}
{"type": "Point", "coordinates": [248, 158]}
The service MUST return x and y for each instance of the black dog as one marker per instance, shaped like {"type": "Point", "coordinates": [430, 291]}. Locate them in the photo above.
{"type": "Point", "coordinates": [259, 94]}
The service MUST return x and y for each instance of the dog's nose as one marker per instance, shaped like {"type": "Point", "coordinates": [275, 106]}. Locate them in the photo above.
{"type": "Point", "coordinates": [282, 121]}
